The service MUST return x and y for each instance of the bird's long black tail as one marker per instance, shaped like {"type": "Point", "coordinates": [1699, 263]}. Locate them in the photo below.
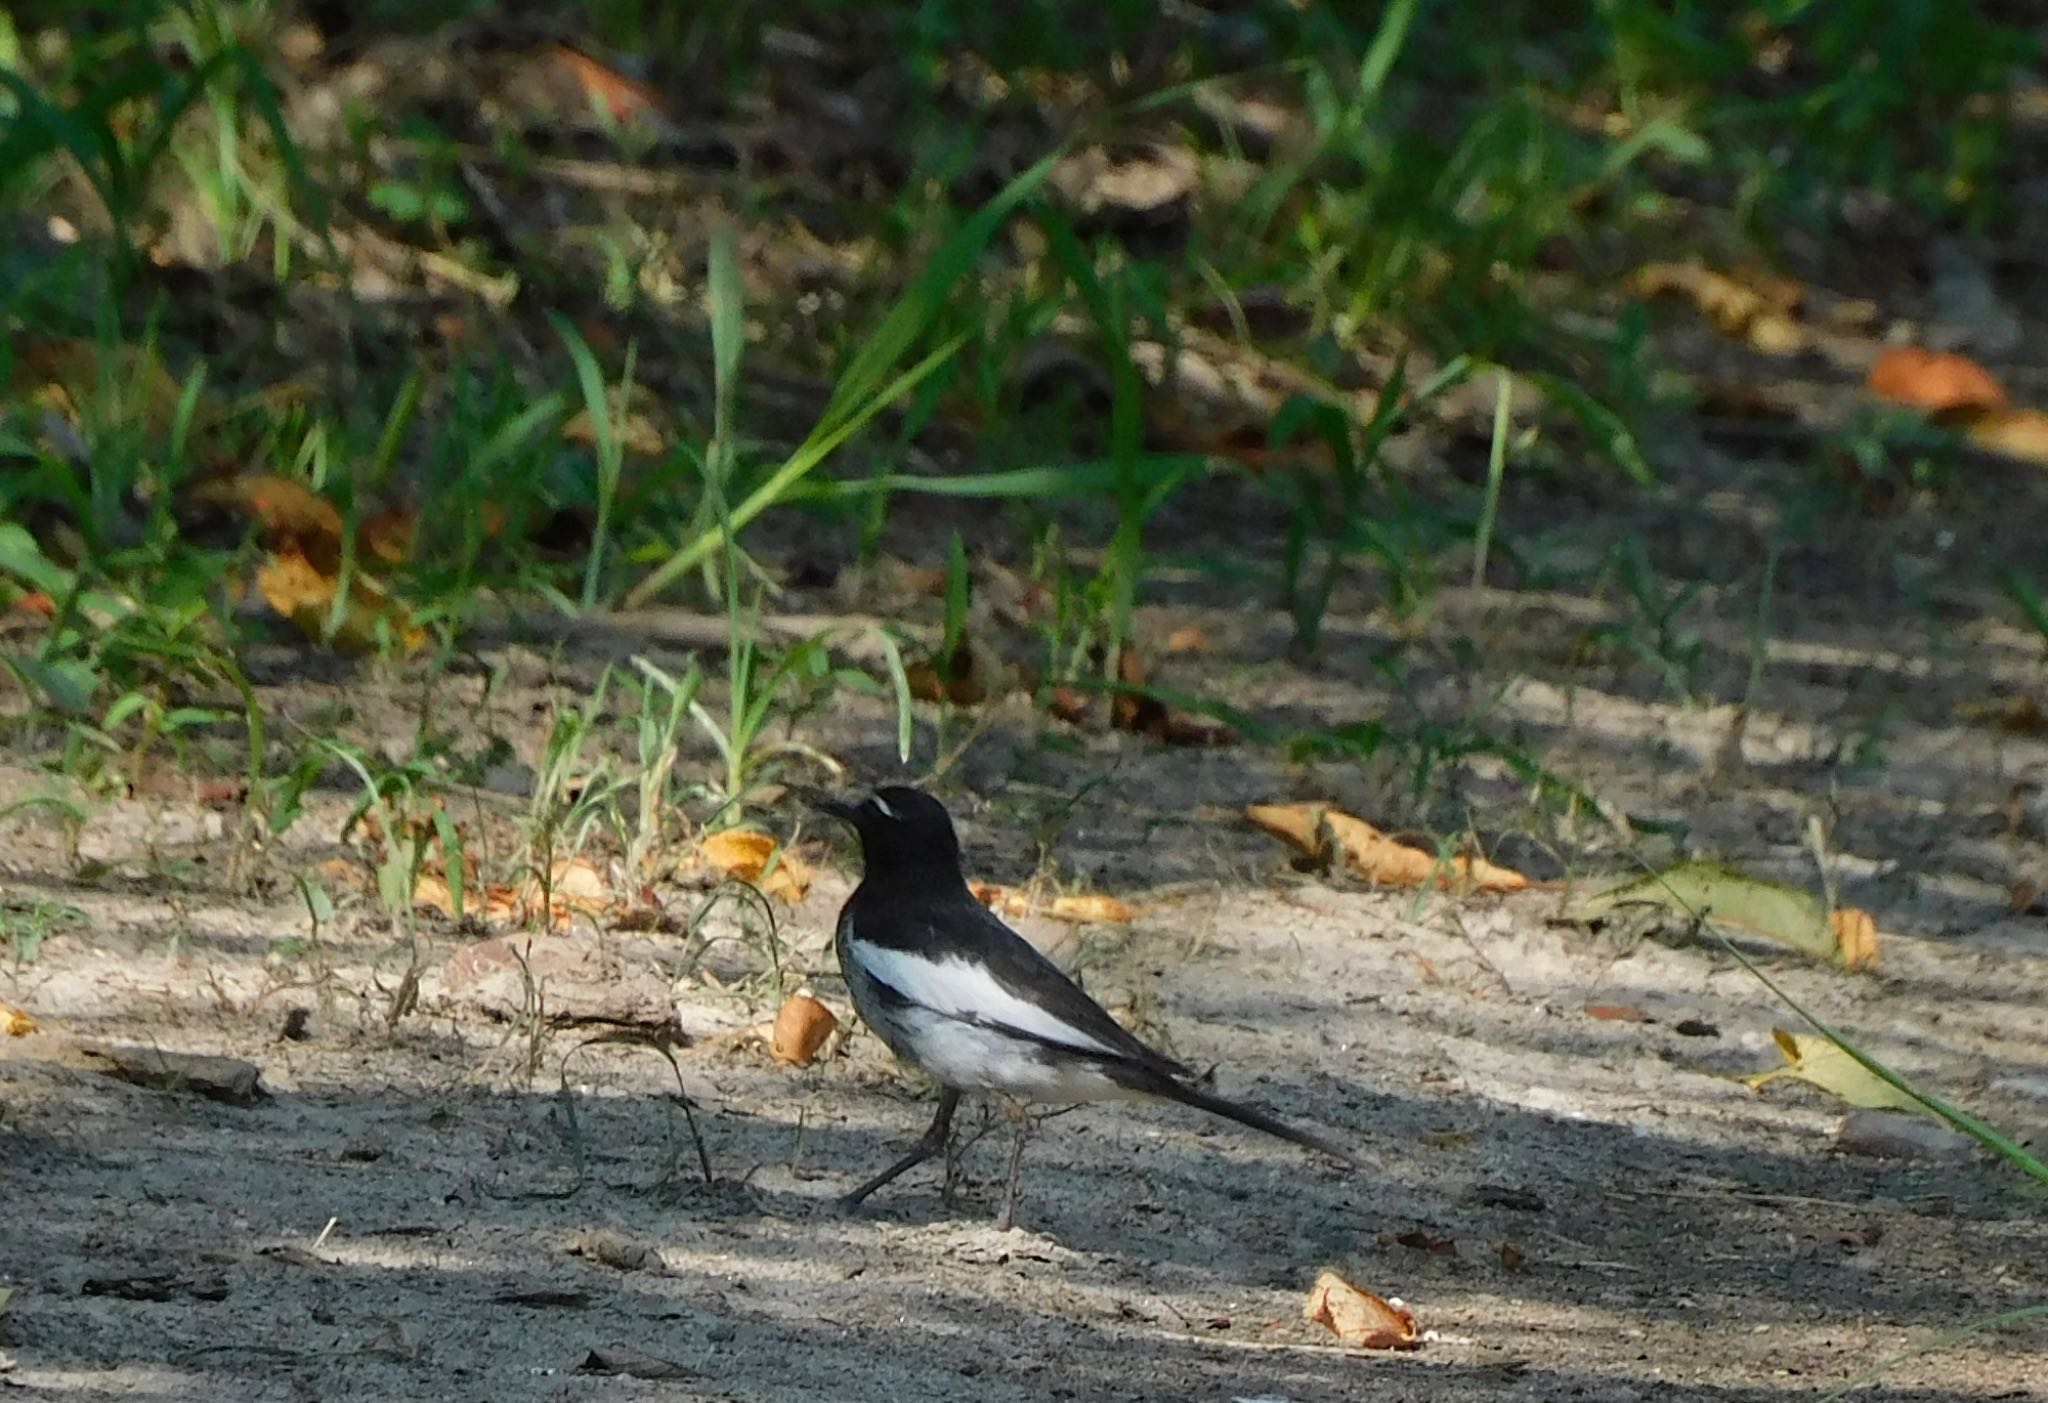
{"type": "Point", "coordinates": [1171, 1088]}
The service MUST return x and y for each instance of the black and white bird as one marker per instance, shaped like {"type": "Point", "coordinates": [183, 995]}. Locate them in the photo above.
{"type": "Point", "coordinates": [959, 995]}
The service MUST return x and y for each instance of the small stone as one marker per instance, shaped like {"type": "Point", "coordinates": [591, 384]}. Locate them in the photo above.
{"type": "Point", "coordinates": [1899, 1135]}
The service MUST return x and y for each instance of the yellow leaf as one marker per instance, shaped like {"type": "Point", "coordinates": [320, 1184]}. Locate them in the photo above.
{"type": "Point", "coordinates": [2016, 433]}
{"type": "Point", "coordinates": [1812, 1058]}
{"type": "Point", "coordinates": [1082, 907]}
{"type": "Point", "coordinates": [14, 1023]}
{"type": "Point", "coordinates": [745, 854]}
{"type": "Point", "coordinates": [290, 584]}
{"type": "Point", "coordinates": [1730, 897]}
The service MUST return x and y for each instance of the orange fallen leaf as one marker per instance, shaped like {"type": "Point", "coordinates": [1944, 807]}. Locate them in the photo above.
{"type": "Point", "coordinates": [1086, 907]}
{"type": "Point", "coordinates": [296, 588]}
{"type": "Point", "coordinates": [1358, 1317]}
{"type": "Point", "coordinates": [1856, 934]}
{"type": "Point", "coordinates": [1133, 709]}
{"type": "Point", "coordinates": [576, 887]}
{"type": "Point", "coordinates": [36, 602]}
{"type": "Point", "coordinates": [1068, 704]}
{"type": "Point", "coordinates": [2016, 433]}
{"type": "Point", "coordinates": [1373, 855]}
{"type": "Point", "coordinates": [1189, 639]}
{"type": "Point", "coordinates": [1416, 1240]}
{"type": "Point", "coordinates": [1616, 1013]}
{"type": "Point", "coordinates": [1758, 311]}
{"type": "Point", "coordinates": [625, 98]}
{"type": "Point", "coordinates": [1941, 382]}
{"type": "Point", "coordinates": [745, 854]}
{"type": "Point", "coordinates": [801, 1028]}
{"type": "Point", "coordinates": [14, 1023]}
{"type": "Point", "coordinates": [389, 535]}
{"type": "Point", "coordinates": [492, 905]}
{"type": "Point", "coordinates": [293, 515]}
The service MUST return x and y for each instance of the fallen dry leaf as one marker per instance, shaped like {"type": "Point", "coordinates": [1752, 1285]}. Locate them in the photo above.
{"type": "Point", "coordinates": [1417, 1240]}
{"type": "Point", "coordinates": [1617, 1013]}
{"type": "Point", "coordinates": [1855, 936]}
{"type": "Point", "coordinates": [389, 535]}
{"type": "Point", "coordinates": [747, 855]}
{"type": "Point", "coordinates": [967, 678]}
{"type": "Point", "coordinates": [293, 516]}
{"type": "Point", "coordinates": [2016, 433]}
{"type": "Point", "coordinates": [1730, 897]}
{"type": "Point", "coordinates": [14, 1023]}
{"type": "Point", "coordinates": [1189, 639]}
{"type": "Point", "coordinates": [61, 372]}
{"type": "Point", "coordinates": [1759, 311]}
{"type": "Point", "coordinates": [1940, 382]}
{"type": "Point", "coordinates": [576, 887]}
{"type": "Point", "coordinates": [1359, 1318]}
{"type": "Point", "coordinates": [625, 98]}
{"type": "Point", "coordinates": [1812, 1058]}
{"type": "Point", "coordinates": [291, 584]}
{"type": "Point", "coordinates": [801, 1027]}
{"type": "Point", "coordinates": [1313, 828]}
{"type": "Point", "coordinates": [1081, 906]}
{"type": "Point", "coordinates": [2021, 716]}
{"type": "Point", "coordinates": [635, 432]}
{"type": "Point", "coordinates": [1138, 711]}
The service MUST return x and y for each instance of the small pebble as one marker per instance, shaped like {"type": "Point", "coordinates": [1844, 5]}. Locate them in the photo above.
{"type": "Point", "coordinates": [1899, 1135]}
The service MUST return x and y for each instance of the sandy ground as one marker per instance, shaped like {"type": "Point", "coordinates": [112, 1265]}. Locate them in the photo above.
{"type": "Point", "coordinates": [450, 1205]}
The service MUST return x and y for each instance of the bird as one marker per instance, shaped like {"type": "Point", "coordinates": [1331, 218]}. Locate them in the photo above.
{"type": "Point", "coordinates": [957, 994]}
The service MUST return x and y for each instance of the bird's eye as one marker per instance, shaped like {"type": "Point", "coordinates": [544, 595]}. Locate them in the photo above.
{"type": "Point", "coordinates": [882, 808]}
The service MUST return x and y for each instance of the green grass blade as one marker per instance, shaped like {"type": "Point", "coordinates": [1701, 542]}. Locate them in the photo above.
{"type": "Point", "coordinates": [899, 680]}
{"type": "Point", "coordinates": [1496, 469]}
{"type": "Point", "coordinates": [861, 392]}
{"type": "Point", "coordinates": [809, 454]}
{"type": "Point", "coordinates": [1386, 48]}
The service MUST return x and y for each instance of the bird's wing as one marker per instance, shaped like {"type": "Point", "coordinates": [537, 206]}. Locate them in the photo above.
{"type": "Point", "coordinates": [972, 967]}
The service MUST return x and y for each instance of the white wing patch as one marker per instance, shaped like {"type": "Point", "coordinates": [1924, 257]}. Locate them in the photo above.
{"type": "Point", "coordinates": [882, 807]}
{"type": "Point", "coordinates": [963, 989]}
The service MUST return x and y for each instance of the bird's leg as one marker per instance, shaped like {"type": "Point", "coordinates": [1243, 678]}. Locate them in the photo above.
{"type": "Point", "coordinates": [932, 1142]}
{"type": "Point", "coordinates": [1021, 1119]}
{"type": "Point", "coordinates": [956, 1153]}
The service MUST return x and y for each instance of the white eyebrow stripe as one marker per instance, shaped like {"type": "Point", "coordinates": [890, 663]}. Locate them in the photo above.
{"type": "Point", "coordinates": [882, 807]}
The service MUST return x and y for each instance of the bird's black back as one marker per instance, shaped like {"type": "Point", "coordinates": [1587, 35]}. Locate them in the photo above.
{"type": "Point", "coordinates": [941, 923]}
{"type": "Point", "coordinates": [913, 897]}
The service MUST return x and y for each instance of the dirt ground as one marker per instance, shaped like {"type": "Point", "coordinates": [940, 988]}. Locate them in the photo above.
{"type": "Point", "coordinates": [451, 1205]}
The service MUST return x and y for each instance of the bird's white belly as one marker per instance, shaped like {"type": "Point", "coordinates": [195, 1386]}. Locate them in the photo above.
{"type": "Point", "coordinates": [971, 1058]}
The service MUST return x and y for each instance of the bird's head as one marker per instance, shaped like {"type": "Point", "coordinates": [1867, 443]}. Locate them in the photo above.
{"type": "Point", "coordinates": [902, 831]}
